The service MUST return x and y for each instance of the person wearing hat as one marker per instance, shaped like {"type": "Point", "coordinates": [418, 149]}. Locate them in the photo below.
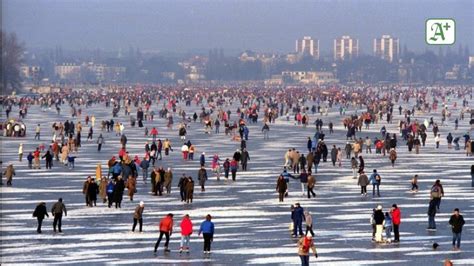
{"type": "Point", "coordinates": [379, 219]}
{"type": "Point", "coordinates": [138, 216]}
{"type": "Point", "coordinates": [304, 245]}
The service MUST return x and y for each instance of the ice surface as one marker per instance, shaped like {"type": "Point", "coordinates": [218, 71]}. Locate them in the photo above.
{"type": "Point", "coordinates": [251, 225]}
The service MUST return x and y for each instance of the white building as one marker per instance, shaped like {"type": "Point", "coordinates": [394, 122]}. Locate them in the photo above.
{"type": "Point", "coordinates": [387, 48]}
{"type": "Point", "coordinates": [346, 48]}
{"type": "Point", "coordinates": [309, 77]}
{"type": "Point", "coordinates": [67, 70]}
{"type": "Point", "coordinates": [308, 46]}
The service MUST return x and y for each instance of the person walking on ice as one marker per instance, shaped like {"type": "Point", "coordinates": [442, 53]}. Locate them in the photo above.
{"type": "Point", "coordinates": [456, 221]}
{"type": "Point", "coordinates": [375, 179]}
{"type": "Point", "coordinates": [39, 213]}
{"type": "Point", "coordinates": [138, 216]}
{"type": "Point", "coordinates": [304, 245]}
{"type": "Point", "coordinates": [166, 229]}
{"type": "Point", "coordinates": [207, 230]}
{"type": "Point", "coordinates": [57, 212]}
{"type": "Point", "coordinates": [186, 231]}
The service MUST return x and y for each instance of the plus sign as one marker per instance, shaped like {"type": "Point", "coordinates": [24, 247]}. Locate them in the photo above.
{"type": "Point", "coordinates": [446, 26]}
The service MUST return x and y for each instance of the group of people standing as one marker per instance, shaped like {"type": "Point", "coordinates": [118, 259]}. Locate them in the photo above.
{"type": "Point", "coordinates": [166, 229]}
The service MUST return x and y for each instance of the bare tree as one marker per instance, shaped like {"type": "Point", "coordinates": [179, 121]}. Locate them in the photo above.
{"type": "Point", "coordinates": [12, 58]}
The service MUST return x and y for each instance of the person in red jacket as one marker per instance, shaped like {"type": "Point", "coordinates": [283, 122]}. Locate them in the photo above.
{"type": "Point", "coordinates": [166, 228]}
{"type": "Point", "coordinates": [186, 231]}
{"type": "Point", "coordinates": [154, 133]}
{"type": "Point", "coordinates": [396, 219]}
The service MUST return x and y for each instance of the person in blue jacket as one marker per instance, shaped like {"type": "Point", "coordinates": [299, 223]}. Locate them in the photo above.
{"type": "Point", "coordinates": [286, 176]}
{"type": "Point", "coordinates": [110, 192]}
{"type": "Point", "coordinates": [298, 218]}
{"type": "Point", "coordinates": [30, 158]}
{"type": "Point", "coordinates": [207, 230]}
{"type": "Point", "coordinates": [246, 133]}
{"type": "Point", "coordinates": [116, 170]}
{"type": "Point", "coordinates": [375, 181]}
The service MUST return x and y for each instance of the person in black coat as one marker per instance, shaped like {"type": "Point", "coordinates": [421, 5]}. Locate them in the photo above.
{"type": "Point", "coordinates": [361, 164]}
{"type": "Point", "coordinates": [393, 142]}
{"type": "Point", "coordinates": [49, 159]}
{"type": "Point", "coordinates": [302, 162]}
{"type": "Point", "coordinates": [39, 213]}
{"type": "Point", "coordinates": [118, 192]}
{"type": "Point", "coordinates": [237, 156]}
{"type": "Point", "coordinates": [472, 175]}
{"type": "Point", "coordinates": [324, 151]}
{"type": "Point", "coordinates": [309, 144]}
{"type": "Point", "coordinates": [245, 158]}
{"type": "Point", "coordinates": [92, 191]}
{"type": "Point", "coordinates": [457, 222]}
{"type": "Point", "coordinates": [298, 218]}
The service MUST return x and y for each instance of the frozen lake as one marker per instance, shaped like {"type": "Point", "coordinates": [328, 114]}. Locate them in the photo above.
{"type": "Point", "coordinates": [251, 225]}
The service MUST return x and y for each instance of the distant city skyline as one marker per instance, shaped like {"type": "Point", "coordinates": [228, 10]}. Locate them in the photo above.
{"type": "Point", "coordinates": [263, 26]}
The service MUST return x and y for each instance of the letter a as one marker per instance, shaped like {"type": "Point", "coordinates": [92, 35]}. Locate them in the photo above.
{"type": "Point", "coordinates": [438, 32]}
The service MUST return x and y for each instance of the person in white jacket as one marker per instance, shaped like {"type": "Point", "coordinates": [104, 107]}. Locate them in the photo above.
{"type": "Point", "coordinates": [185, 151]}
{"type": "Point", "coordinates": [437, 140]}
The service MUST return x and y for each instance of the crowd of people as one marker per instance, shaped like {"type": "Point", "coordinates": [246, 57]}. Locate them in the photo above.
{"type": "Point", "coordinates": [369, 108]}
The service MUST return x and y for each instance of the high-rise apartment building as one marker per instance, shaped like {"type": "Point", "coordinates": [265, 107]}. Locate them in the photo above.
{"type": "Point", "coordinates": [346, 48]}
{"type": "Point", "coordinates": [308, 46]}
{"type": "Point", "coordinates": [387, 48]}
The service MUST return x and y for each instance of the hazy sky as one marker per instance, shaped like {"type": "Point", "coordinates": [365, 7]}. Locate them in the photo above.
{"type": "Point", "coordinates": [266, 25]}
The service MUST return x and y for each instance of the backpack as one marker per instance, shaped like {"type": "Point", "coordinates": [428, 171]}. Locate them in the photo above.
{"type": "Point", "coordinates": [378, 178]}
{"type": "Point", "coordinates": [435, 193]}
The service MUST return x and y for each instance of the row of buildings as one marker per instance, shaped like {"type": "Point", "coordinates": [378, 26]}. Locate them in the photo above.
{"type": "Point", "coordinates": [101, 72]}
{"type": "Point", "coordinates": [346, 47]}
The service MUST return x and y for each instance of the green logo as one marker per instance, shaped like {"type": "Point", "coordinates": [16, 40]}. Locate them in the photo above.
{"type": "Point", "coordinates": [440, 31]}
